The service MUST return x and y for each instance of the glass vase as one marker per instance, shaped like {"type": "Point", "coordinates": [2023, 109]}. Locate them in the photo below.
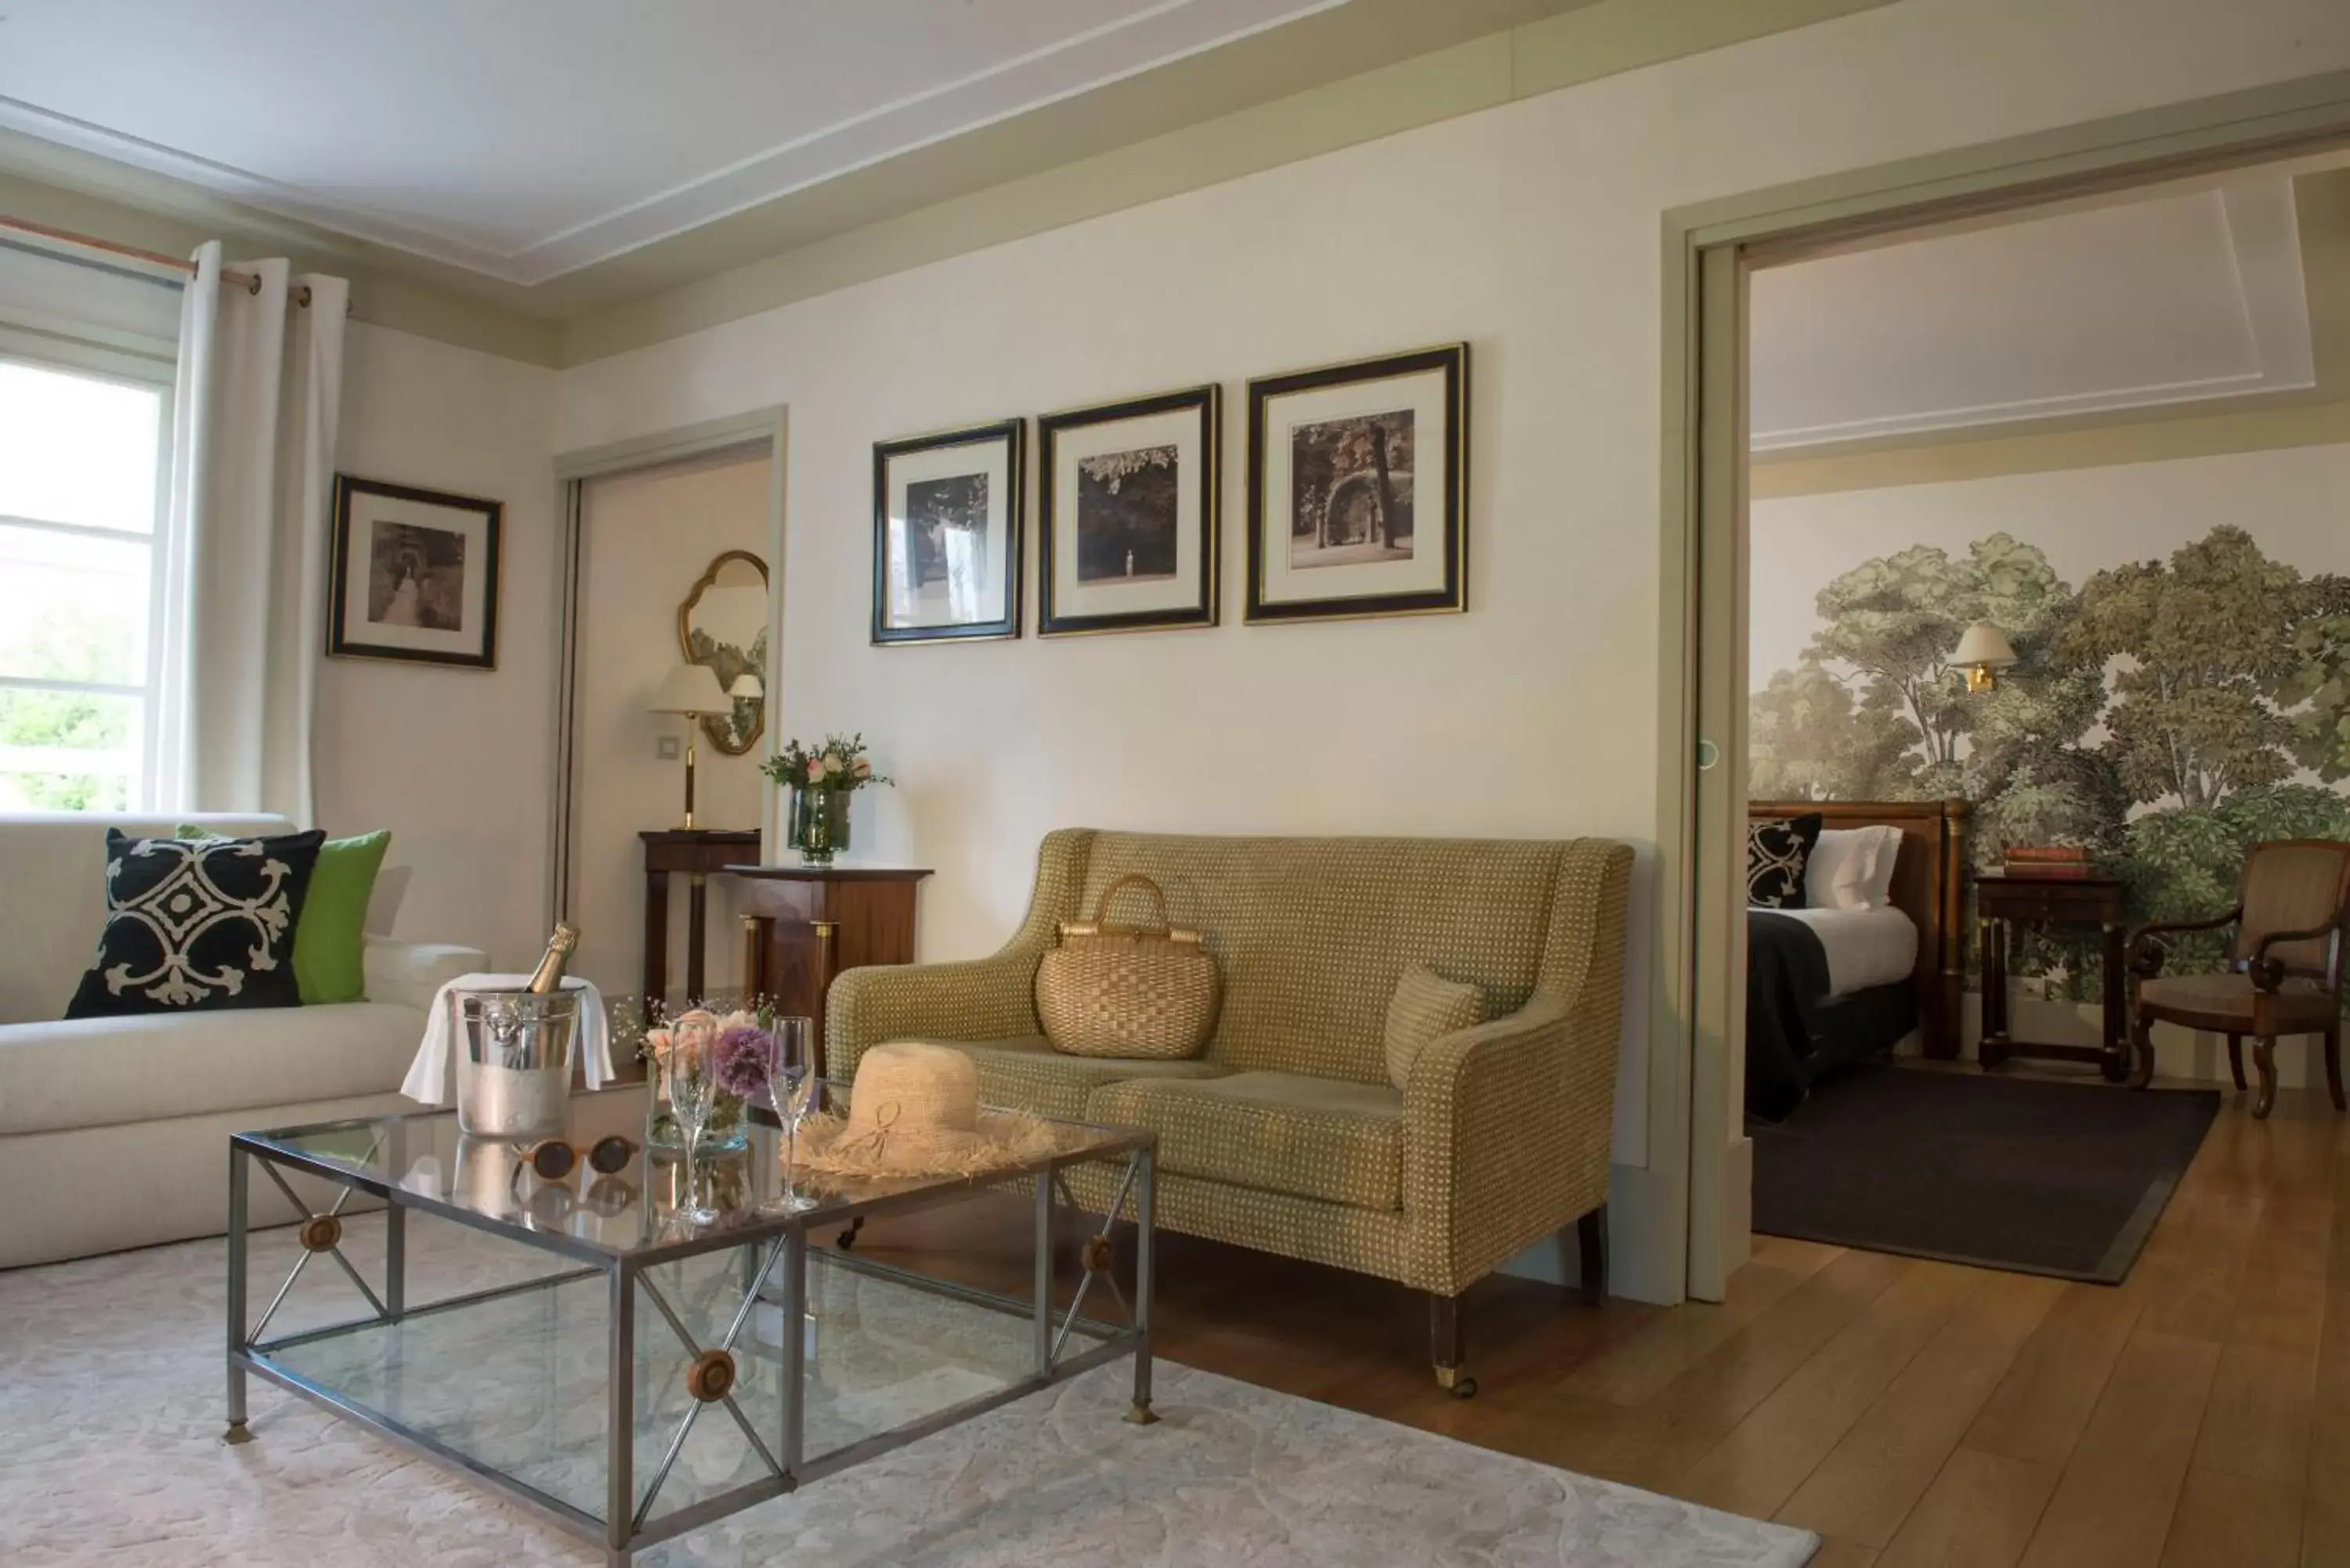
{"type": "Point", "coordinates": [729, 1131]}
{"type": "Point", "coordinates": [819, 824]}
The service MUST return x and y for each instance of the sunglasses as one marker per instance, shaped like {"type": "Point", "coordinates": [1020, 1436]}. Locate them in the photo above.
{"type": "Point", "coordinates": [555, 1158]}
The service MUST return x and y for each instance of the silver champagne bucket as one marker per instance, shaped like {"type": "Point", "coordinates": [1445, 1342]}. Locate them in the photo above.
{"type": "Point", "coordinates": [514, 1061]}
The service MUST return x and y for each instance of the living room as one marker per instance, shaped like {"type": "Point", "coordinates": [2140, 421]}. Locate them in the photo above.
{"type": "Point", "coordinates": [622, 249]}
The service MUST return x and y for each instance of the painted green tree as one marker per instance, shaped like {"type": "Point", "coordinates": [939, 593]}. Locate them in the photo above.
{"type": "Point", "coordinates": [2159, 716]}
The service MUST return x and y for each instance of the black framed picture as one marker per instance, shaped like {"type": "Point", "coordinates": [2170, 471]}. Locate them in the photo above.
{"type": "Point", "coordinates": [1358, 489]}
{"type": "Point", "coordinates": [946, 535]}
{"type": "Point", "coordinates": [1128, 535]}
{"type": "Point", "coordinates": [413, 574]}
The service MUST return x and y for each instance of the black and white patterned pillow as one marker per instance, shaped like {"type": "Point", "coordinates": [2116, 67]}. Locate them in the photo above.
{"type": "Point", "coordinates": [198, 925]}
{"type": "Point", "coordinates": [1776, 853]}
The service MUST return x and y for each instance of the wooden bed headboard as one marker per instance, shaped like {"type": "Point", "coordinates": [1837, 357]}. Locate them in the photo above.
{"type": "Point", "coordinates": [1929, 884]}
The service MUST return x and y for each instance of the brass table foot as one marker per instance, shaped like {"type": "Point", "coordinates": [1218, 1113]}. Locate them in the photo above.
{"type": "Point", "coordinates": [1140, 1414]}
{"type": "Point", "coordinates": [238, 1432]}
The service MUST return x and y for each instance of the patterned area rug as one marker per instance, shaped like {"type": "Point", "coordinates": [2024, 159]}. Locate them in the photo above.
{"type": "Point", "coordinates": [111, 1452]}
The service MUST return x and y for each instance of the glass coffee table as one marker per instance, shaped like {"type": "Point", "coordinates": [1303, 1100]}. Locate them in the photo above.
{"type": "Point", "coordinates": [630, 1376]}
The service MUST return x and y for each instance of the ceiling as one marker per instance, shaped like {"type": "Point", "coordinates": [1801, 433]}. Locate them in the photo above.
{"type": "Point", "coordinates": [559, 157]}
{"type": "Point", "coordinates": [529, 139]}
{"type": "Point", "coordinates": [2221, 292]}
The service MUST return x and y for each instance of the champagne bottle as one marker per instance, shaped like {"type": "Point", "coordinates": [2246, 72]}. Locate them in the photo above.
{"type": "Point", "coordinates": [548, 976]}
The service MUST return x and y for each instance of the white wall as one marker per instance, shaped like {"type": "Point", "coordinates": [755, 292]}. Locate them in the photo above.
{"type": "Point", "coordinates": [647, 538]}
{"type": "Point", "coordinates": [454, 762]}
{"type": "Point", "coordinates": [1532, 231]}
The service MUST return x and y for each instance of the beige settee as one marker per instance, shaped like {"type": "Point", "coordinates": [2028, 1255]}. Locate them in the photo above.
{"type": "Point", "coordinates": [114, 1131]}
{"type": "Point", "coordinates": [1286, 1134]}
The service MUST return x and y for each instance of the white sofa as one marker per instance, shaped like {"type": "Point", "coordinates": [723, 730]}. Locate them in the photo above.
{"type": "Point", "coordinates": [114, 1131]}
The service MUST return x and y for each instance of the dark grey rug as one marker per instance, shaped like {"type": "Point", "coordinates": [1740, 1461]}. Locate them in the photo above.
{"type": "Point", "coordinates": [2027, 1175]}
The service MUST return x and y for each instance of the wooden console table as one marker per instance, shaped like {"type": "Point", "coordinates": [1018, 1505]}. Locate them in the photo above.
{"type": "Point", "coordinates": [697, 853]}
{"type": "Point", "coordinates": [802, 925]}
{"type": "Point", "coordinates": [2001, 903]}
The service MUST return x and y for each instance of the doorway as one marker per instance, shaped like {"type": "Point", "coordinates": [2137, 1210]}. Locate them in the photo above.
{"type": "Point", "coordinates": [1714, 255]}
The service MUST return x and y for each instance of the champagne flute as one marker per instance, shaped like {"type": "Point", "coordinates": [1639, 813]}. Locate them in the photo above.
{"type": "Point", "coordinates": [791, 1086]}
{"type": "Point", "coordinates": [692, 1096]}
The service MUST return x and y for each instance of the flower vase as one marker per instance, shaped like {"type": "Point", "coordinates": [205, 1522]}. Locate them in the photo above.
{"type": "Point", "coordinates": [819, 824]}
{"type": "Point", "coordinates": [729, 1131]}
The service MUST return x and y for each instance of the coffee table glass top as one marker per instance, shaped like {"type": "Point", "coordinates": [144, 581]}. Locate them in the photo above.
{"type": "Point", "coordinates": [631, 1212]}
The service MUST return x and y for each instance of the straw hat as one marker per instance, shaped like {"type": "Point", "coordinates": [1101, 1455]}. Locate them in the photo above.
{"type": "Point", "coordinates": [914, 1111]}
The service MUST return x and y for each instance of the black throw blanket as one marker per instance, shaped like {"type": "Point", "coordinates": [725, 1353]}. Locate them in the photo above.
{"type": "Point", "coordinates": [1786, 980]}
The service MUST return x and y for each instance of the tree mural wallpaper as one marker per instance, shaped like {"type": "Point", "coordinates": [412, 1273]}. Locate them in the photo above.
{"type": "Point", "coordinates": [2166, 714]}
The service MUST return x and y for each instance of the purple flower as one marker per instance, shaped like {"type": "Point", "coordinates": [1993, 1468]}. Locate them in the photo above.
{"type": "Point", "coordinates": [743, 1056]}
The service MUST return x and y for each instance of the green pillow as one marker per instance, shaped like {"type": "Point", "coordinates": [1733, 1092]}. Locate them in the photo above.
{"type": "Point", "coordinates": [330, 936]}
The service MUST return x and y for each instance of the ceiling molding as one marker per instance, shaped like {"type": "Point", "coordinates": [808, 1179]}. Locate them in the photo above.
{"type": "Point", "coordinates": [1581, 42]}
{"type": "Point", "coordinates": [2173, 435]}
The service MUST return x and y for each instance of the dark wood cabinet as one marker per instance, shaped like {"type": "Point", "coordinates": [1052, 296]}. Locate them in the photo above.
{"type": "Point", "coordinates": [696, 853]}
{"type": "Point", "coordinates": [803, 925]}
{"type": "Point", "coordinates": [2002, 903]}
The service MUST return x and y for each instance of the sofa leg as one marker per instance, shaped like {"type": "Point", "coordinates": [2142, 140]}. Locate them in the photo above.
{"type": "Point", "coordinates": [1445, 1341]}
{"type": "Point", "coordinates": [1591, 1256]}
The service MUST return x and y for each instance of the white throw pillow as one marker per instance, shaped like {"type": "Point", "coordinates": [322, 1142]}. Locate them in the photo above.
{"type": "Point", "coordinates": [1836, 876]}
{"type": "Point", "coordinates": [1884, 852]}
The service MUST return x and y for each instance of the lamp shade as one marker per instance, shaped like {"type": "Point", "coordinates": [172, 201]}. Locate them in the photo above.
{"type": "Point", "coordinates": [690, 688]}
{"type": "Point", "coordinates": [1984, 646]}
{"type": "Point", "coordinates": [746, 688]}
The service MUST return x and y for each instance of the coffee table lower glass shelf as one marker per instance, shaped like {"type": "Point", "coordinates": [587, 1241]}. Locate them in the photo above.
{"type": "Point", "coordinates": [578, 1349]}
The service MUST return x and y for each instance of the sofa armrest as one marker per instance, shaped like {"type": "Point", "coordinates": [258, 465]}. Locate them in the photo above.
{"type": "Point", "coordinates": [409, 973]}
{"type": "Point", "coordinates": [1507, 1131]}
{"type": "Point", "coordinates": [978, 999]}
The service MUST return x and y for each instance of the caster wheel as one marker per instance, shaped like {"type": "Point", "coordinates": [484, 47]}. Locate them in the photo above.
{"type": "Point", "coordinates": [1465, 1389]}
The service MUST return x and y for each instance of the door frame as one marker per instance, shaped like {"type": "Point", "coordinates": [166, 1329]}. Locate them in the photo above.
{"type": "Point", "coordinates": [767, 428]}
{"type": "Point", "coordinates": [1695, 1044]}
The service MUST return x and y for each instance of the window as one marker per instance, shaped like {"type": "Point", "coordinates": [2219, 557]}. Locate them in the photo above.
{"type": "Point", "coordinates": [81, 472]}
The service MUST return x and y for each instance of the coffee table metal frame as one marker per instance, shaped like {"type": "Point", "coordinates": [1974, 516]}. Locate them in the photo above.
{"type": "Point", "coordinates": [767, 1243]}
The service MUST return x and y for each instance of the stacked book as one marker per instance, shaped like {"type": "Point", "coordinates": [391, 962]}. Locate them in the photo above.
{"type": "Point", "coordinates": [2054, 862]}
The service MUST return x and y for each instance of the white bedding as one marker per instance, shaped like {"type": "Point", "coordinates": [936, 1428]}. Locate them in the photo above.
{"type": "Point", "coordinates": [1864, 946]}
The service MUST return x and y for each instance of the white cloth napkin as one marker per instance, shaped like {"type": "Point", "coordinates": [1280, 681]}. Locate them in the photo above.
{"type": "Point", "coordinates": [428, 1076]}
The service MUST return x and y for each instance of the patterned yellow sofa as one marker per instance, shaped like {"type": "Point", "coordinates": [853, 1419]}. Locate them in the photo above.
{"type": "Point", "coordinates": [1286, 1134]}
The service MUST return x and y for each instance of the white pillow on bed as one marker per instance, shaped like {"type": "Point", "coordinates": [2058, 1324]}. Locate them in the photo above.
{"type": "Point", "coordinates": [1836, 876]}
{"type": "Point", "coordinates": [1883, 855]}
{"type": "Point", "coordinates": [1852, 868]}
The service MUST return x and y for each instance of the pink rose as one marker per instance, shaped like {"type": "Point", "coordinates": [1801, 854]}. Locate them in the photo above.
{"type": "Point", "coordinates": [815, 769]}
{"type": "Point", "coordinates": [864, 768]}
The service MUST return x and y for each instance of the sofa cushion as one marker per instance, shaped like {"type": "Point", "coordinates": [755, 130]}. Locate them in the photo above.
{"type": "Point", "coordinates": [1424, 1008]}
{"type": "Point", "coordinates": [1028, 1074]}
{"type": "Point", "coordinates": [99, 1072]}
{"type": "Point", "coordinates": [195, 925]}
{"type": "Point", "coordinates": [1281, 1132]}
{"type": "Point", "coordinates": [52, 897]}
{"type": "Point", "coordinates": [1310, 934]}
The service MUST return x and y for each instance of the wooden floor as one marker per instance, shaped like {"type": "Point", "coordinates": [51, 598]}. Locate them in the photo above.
{"type": "Point", "coordinates": [1911, 1412]}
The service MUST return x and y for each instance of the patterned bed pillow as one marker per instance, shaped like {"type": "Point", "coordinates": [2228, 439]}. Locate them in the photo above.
{"type": "Point", "coordinates": [1776, 853]}
{"type": "Point", "coordinates": [198, 926]}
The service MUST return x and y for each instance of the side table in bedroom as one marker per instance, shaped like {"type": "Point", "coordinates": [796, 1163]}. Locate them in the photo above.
{"type": "Point", "coordinates": [2002, 903]}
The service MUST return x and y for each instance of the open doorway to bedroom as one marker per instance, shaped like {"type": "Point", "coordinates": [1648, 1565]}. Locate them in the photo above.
{"type": "Point", "coordinates": [2046, 640]}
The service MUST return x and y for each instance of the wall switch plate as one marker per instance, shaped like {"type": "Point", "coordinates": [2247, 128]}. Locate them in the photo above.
{"type": "Point", "coordinates": [667, 750]}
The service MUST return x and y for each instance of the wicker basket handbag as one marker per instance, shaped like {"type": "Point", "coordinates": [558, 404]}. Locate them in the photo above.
{"type": "Point", "coordinates": [1128, 991]}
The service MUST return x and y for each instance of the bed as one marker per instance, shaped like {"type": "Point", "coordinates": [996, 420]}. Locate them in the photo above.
{"type": "Point", "coordinates": [1826, 987]}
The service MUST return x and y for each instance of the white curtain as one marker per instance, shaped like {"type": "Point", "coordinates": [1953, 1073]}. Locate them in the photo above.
{"type": "Point", "coordinates": [252, 461]}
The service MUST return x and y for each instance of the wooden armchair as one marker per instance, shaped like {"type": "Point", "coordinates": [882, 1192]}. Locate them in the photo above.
{"type": "Point", "coordinates": [2284, 966]}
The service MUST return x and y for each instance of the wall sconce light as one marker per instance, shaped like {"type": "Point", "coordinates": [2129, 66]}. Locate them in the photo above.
{"type": "Point", "coordinates": [1983, 651]}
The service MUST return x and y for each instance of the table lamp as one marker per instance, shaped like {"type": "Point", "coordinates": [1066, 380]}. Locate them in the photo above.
{"type": "Point", "coordinates": [693, 691]}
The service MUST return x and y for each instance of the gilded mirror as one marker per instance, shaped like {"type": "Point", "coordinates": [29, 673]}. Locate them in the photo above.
{"type": "Point", "coordinates": [723, 623]}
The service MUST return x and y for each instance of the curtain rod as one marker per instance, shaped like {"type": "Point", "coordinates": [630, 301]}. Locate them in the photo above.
{"type": "Point", "coordinates": [251, 281]}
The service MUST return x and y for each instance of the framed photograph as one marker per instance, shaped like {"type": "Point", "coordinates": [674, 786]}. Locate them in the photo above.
{"type": "Point", "coordinates": [946, 535]}
{"type": "Point", "coordinates": [414, 575]}
{"type": "Point", "coordinates": [1358, 489]}
{"type": "Point", "coordinates": [1127, 528]}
